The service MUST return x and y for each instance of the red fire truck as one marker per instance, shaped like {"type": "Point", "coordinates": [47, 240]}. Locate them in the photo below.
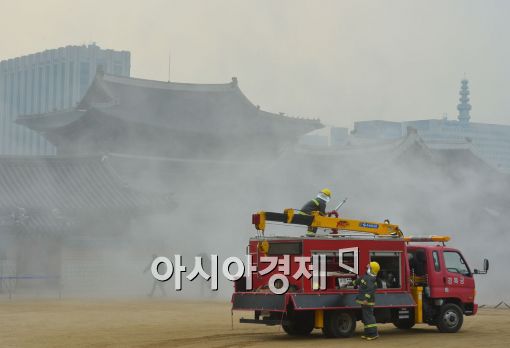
{"type": "Point", "coordinates": [418, 282]}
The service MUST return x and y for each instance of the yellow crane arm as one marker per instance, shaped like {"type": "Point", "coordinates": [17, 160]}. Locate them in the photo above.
{"type": "Point", "coordinates": [376, 228]}
{"type": "Point", "coordinates": [335, 223]}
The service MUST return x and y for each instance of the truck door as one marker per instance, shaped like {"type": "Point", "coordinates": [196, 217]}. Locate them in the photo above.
{"type": "Point", "coordinates": [457, 278]}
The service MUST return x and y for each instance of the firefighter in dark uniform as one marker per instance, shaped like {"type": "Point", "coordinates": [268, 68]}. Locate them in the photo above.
{"type": "Point", "coordinates": [316, 204]}
{"type": "Point", "coordinates": [366, 298]}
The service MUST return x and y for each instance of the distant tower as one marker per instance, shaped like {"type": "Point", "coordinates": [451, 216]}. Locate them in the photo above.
{"type": "Point", "coordinates": [464, 107]}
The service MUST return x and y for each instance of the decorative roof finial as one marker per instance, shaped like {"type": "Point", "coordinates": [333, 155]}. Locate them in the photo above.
{"type": "Point", "coordinates": [464, 107]}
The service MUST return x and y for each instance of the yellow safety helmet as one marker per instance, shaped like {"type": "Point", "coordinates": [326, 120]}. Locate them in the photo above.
{"type": "Point", "coordinates": [327, 192]}
{"type": "Point", "coordinates": [374, 267]}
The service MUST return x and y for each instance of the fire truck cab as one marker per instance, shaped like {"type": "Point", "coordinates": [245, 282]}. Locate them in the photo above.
{"type": "Point", "coordinates": [418, 282]}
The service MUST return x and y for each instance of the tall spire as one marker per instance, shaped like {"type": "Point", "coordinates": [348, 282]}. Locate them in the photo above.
{"type": "Point", "coordinates": [464, 107]}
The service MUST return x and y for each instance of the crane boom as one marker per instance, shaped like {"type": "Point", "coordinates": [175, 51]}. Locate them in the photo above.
{"type": "Point", "coordinates": [289, 216]}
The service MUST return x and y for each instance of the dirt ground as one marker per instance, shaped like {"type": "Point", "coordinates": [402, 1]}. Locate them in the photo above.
{"type": "Point", "coordinates": [94, 323]}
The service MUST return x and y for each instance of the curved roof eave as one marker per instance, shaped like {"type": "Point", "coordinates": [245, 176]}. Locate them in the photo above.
{"type": "Point", "coordinates": [51, 120]}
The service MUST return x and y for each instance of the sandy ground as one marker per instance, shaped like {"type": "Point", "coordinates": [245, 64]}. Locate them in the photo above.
{"type": "Point", "coordinates": [88, 323]}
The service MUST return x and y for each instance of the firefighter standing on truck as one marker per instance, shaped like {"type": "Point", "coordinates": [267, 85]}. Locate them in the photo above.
{"type": "Point", "coordinates": [316, 204]}
{"type": "Point", "coordinates": [366, 298]}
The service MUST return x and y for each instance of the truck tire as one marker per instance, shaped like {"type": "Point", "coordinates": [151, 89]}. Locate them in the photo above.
{"type": "Point", "coordinates": [450, 318]}
{"type": "Point", "coordinates": [339, 324]}
{"type": "Point", "coordinates": [299, 324]}
{"type": "Point", "coordinates": [404, 324]}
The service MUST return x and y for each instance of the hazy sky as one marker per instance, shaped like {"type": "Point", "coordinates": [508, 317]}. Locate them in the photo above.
{"type": "Point", "coordinates": [340, 61]}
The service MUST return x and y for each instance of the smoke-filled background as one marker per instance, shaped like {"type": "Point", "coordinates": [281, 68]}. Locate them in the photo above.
{"type": "Point", "coordinates": [340, 61]}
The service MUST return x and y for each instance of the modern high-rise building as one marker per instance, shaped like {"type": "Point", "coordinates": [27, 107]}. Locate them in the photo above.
{"type": "Point", "coordinates": [52, 80]}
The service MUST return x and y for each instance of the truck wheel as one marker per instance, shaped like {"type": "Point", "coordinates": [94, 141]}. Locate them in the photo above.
{"type": "Point", "coordinates": [450, 318]}
{"type": "Point", "coordinates": [339, 324]}
{"type": "Point", "coordinates": [404, 324]}
{"type": "Point", "coordinates": [300, 324]}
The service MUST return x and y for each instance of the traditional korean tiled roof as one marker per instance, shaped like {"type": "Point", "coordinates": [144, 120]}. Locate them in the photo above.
{"type": "Point", "coordinates": [207, 108]}
{"type": "Point", "coordinates": [50, 193]}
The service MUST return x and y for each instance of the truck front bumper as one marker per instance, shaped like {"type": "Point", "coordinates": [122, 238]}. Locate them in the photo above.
{"type": "Point", "coordinates": [475, 309]}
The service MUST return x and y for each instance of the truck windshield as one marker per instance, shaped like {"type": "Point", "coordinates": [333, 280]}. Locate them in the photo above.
{"type": "Point", "coordinates": [455, 263]}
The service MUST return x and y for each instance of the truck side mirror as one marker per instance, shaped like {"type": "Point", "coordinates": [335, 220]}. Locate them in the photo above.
{"type": "Point", "coordinates": [485, 268]}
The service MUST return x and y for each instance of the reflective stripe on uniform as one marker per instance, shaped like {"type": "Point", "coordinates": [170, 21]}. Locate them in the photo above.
{"type": "Point", "coordinates": [370, 325]}
{"type": "Point", "coordinates": [367, 295]}
{"type": "Point", "coordinates": [315, 201]}
{"type": "Point", "coordinates": [363, 281]}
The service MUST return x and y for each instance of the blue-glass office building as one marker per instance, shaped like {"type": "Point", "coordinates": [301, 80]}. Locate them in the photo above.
{"type": "Point", "coordinates": [52, 80]}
